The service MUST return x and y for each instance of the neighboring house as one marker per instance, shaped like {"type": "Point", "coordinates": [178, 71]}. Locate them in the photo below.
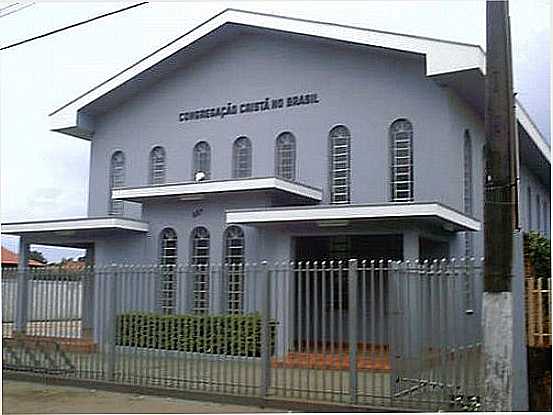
{"type": "Point", "coordinates": [72, 265]}
{"type": "Point", "coordinates": [257, 137]}
{"type": "Point", "coordinates": [11, 260]}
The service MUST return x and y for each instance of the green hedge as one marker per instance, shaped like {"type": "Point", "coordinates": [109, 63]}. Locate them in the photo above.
{"type": "Point", "coordinates": [236, 335]}
{"type": "Point", "coordinates": [538, 250]}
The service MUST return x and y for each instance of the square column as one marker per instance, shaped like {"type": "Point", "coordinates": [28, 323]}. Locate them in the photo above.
{"type": "Point", "coordinates": [411, 246]}
{"type": "Point", "coordinates": [87, 296]}
{"type": "Point", "coordinates": [22, 300]}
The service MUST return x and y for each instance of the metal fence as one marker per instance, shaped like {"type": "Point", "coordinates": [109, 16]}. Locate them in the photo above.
{"type": "Point", "coordinates": [363, 332]}
{"type": "Point", "coordinates": [538, 312]}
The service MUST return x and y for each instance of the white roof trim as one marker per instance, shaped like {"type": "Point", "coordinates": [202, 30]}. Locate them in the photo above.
{"type": "Point", "coordinates": [525, 120]}
{"type": "Point", "coordinates": [75, 225]}
{"type": "Point", "coordinates": [218, 186]}
{"type": "Point", "coordinates": [441, 56]}
{"type": "Point", "coordinates": [346, 212]}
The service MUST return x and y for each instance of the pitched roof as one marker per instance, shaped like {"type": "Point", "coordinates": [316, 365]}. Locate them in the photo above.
{"type": "Point", "coordinates": [442, 58]}
{"type": "Point", "coordinates": [10, 258]}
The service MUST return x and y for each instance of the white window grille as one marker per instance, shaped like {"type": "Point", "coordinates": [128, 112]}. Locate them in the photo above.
{"type": "Point", "coordinates": [168, 262]}
{"type": "Point", "coordinates": [468, 191]}
{"type": "Point", "coordinates": [200, 270]}
{"type": "Point", "coordinates": [285, 156]}
{"type": "Point", "coordinates": [157, 165]}
{"type": "Point", "coordinates": [545, 218]}
{"type": "Point", "coordinates": [234, 265]}
{"type": "Point", "coordinates": [116, 179]}
{"type": "Point", "coordinates": [242, 158]}
{"type": "Point", "coordinates": [340, 164]}
{"type": "Point", "coordinates": [401, 144]}
{"type": "Point", "coordinates": [201, 160]}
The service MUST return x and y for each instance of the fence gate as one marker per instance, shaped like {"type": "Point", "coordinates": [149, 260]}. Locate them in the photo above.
{"type": "Point", "coordinates": [435, 334]}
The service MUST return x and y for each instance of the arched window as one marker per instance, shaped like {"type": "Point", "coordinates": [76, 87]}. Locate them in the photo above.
{"type": "Point", "coordinates": [538, 213]}
{"type": "Point", "coordinates": [339, 164]}
{"type": "Point", "coordinates": [401, 174]}
{"type": "Point", "coordinates": [168, 261]}
{"type": "Point", "coordinates": [545, 218]}
{"type": "Point", "coordinates": [529, 207]}
{"type": "Point", "coordinates": [199, 261]}
{"type": "Point", "coordinates": [242, 158]}
{"type": "Point", "coordinates": [285, 156]}
{"type": "Point", "coordinates": [234, 265]}
{"type": "Point", "coordinates": [157, 165]}
{"type": "Point", "coordinates": [467, 191]}
{"type": "Point", "coordinates": [201, 162]}
{"type": "Point", "coordinates": [116, 179]}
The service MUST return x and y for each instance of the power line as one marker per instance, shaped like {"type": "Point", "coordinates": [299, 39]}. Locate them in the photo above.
{"type": "Point", "coordinates": [8, 6]}
{"type": "Point", "coordinates": [24, 6]}
{"type": "Point", "coordinates": [72, 26]}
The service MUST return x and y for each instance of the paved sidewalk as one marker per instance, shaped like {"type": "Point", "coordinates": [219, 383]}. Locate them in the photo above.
{"type": "Point", "coordinates": [36, 398]}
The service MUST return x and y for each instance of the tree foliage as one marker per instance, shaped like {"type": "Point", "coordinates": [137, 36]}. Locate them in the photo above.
{"type": "Point", "coordinates": [37, 256]}
{"type": "Point", "coordinates": [538, 250]}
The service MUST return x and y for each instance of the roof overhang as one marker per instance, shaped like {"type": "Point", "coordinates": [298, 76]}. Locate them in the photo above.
{"type": "Point", "coordinates": [75, 231]}
{"type": "Point", "coordinates": [448, 218]}
{"type": "Point", "coordinates": [441, 56]}
{"type": "Point", "coordinates": [196, 190]}
{"type": "Point", "coordinates": [459, 65]}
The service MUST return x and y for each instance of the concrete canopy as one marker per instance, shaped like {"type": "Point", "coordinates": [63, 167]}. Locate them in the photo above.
{"type": "Point", "coordinates": [76, 232]}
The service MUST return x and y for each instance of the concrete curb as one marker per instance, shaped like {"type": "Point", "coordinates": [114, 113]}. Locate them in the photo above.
{"type": "Point", "coordinates": [276, 403]}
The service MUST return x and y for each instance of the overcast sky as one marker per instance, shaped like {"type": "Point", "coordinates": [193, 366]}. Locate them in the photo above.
{"type": "Point", "coordinates": [44, 175]}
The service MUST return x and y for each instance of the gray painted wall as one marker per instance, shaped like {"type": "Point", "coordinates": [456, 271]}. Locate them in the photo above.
{"type": "Point", "coordinates": [362, 88]}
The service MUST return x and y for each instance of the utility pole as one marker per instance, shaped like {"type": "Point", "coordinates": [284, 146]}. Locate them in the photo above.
{"type": "Point", "coordinates": [500, 211]}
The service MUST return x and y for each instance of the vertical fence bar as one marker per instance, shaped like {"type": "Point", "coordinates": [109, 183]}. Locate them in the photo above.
{"type": "Point", "coordinates": [323, 311]}
{"type": "Point", "coordinates": [352, 330]}
{"type": "Point", "coordinates": [265, 330]}
{"type": "Point", "coordinates": [111, 323]}
{"type": "Point", "coordinates": [541, 328]}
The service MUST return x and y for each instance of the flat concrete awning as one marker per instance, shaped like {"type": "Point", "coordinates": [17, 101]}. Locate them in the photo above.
{"type": "Point", "coordinates": [75, 231]}
{"type": "Point", "coordinates": [434, 212]}
{"type": "Point", "coordinates": [195, 190]}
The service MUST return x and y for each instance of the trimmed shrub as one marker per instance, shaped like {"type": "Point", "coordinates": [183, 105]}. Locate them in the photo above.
{"type": "Point", "coordinates": [233, 334]}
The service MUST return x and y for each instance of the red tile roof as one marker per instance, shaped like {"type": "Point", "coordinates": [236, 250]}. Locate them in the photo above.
{"type": "Point", "coordinates": [9, 258]}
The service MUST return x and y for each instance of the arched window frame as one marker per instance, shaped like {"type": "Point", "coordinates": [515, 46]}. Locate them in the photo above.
{"type": "Point", "coordinates": [339, 169]}
{"type": "Point", "coordinates": [242, 157]}
{"type": "Point", "coordinates": [168, 259]}
{"type": "Point", "coordinates": [157, 165]}
{"type": "Point", "coordinates": [199, 262]}
{"type": "Point", "coordinates": [402, 181]}
{"type": "Point", "coordinates": [545, 218]}
{"type": "Point", "coordinates": [538, 212]}
{"type": "Point", "coordinates": [234, 256]}
{"type": "Point", "coordinates": [529, 206]}
{"type": "Point", "coordinates": [285, 156]}
{"type": "Point", "coordinates": [116, 179]}
{"type": "Point", "coordinates": [201, 159]}
{"type": "Point", "coordinates": [468, 193]}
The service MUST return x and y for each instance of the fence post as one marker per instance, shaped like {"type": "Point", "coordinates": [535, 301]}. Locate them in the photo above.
{"type": "Point", "coordinates": [353, 316]}
{"type": "Point", "coordinates": [22, 302]}
{"type": "Point", "coordinates": [265, 330]}
{"type": "Point", "coordinates": [87, 302]}
{"type": "Point", "coordinates": [394, 321]}
{"type": "Point", "coordinates": [111, 322]}
{"type": "Point", "coordinates": [22, 299]}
